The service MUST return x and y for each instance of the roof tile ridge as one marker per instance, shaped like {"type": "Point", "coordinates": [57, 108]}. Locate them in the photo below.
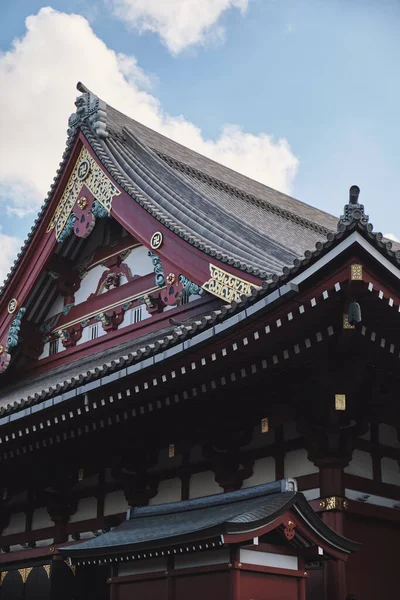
{"type": "Point", "coordinates": [244, 195]}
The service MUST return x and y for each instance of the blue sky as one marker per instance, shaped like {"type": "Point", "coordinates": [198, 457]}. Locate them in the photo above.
{"type": "Point", "coordinates": [321, 74]}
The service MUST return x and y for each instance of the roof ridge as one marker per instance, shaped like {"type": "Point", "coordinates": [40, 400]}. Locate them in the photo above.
{"type": "Point", "coordinates": [265, 489]}
{"type": "Point", "coordinates": [245, 195]}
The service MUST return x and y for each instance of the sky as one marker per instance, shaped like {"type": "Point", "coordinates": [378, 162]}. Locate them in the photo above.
{"type": "Point", "coordinates": [302, 95]}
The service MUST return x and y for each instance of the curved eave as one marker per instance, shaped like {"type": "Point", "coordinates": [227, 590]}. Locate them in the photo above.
{"type": "Point", "coordinates": [226, 318]}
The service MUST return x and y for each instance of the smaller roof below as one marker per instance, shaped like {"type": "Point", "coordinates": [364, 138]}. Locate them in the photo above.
{"type": "Point", "coordinates": [203, 519]}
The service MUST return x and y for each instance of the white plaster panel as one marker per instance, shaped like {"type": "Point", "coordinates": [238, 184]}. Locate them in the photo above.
{"type": "Point", "coordinates": [390, 471]}
{"type": "Point", "coordinates": [115, 503]}
{"type": "Point", "coordinates": [135, 315]}
{"type": "Point", "coordinates": [44, 543]}
{"type": "Point", "coordinates": [371, 499]}
{"type": "Point", "coordinates": [41, 518]}
{"type": "Point", "coordinates": [17, 524]}
{"type": "Point", "coordinates": [312, 494]}
{"type": "Point", "coordinates": [298, 464]}
{"type": "Point", "coordinates": [203, 484]}
{"type": "Point", "coordinates": [139, 261]}
{"type": "Point", "coordinates": [168, 491]}
{"type": "Point", "coordinates": [87, 333]}
{"type": "Point", "coordinates": [152, 565]}
{"type": "Point", "coordinates": [290, 431]}
{"type": "Point", "coordinates": [263, 472]}
{"type": "Point", "coordinates": [201, 559]}
{"type": "Point", "coordinates": [268, 559]}
{"type": "Point", "coordinates": [388, 436]}
{"type": "Point", "coordinates": [56, 307]}
{"type": "Point", "coordinates": [89, 284]}
{"type": "Point", "coordinates": [87, 509]}
{"type": "Point", "coordinates": [360, 465]}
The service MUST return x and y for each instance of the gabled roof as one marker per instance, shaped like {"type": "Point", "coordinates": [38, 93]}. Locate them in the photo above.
{"type": "Point", "coordinates": [227, 215]}
{"type": "Point", "coordinates": [244, 511]}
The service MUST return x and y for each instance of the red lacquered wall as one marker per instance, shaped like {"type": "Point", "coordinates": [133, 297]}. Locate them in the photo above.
{"type": "Point", "coordinates": [374, 569]}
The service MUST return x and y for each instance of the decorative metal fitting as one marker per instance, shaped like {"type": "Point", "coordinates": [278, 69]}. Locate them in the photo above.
{"type": "Point", "coordinates": [82, 202]}
{"type": "Point", "coordinates": [171, 451]}
{"type": "Point", "coordinates": [156, 240]}
{"type": "Point", "coordinates": [1, 348]}
{"type": "Point", "coordinates": [171, 277]}
{"type": "Point", "coordinates": [12, 306]}
{"type": "Point", "coordinates": [334, 503]}
{"type": "Point", "coordinates": [264, 425]}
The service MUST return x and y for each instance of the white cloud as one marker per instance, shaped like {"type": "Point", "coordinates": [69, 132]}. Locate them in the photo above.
{"type": "Point", "coordinates": [39, 76]}
{"type": "Point", "coordinates": [179, 23]}
{"type": "Point", "coordinates": [9, 248]}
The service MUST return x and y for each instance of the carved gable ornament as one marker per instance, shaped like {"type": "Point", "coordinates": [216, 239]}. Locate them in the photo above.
{"type": "Point", "coordinates": [88, 195]}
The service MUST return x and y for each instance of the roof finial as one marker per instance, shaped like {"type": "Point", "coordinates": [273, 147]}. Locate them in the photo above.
{"type": "Point", "coordinates": [353, 211]}
{"type": "Point", "coordinates": [354, 192]}
{"type": "Point", "coordinates": [90, 110]}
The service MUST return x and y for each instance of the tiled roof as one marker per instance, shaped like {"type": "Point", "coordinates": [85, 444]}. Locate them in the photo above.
{"type": "Point", "coordinates": [166, 525]}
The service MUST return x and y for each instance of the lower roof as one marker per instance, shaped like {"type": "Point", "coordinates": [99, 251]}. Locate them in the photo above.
{"type": "Point", "coordinates": [168, 525]}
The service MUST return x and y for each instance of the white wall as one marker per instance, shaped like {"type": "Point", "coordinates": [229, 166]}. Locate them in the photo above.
{"type": "Point", "coordinates": [87, 509]}
{"type": "Point", "coordinates": [263, 472]}
{"type": "Point", "coordinates": [41, 518]}
{"type": "Point", "coordinates": [114, 503]}
{"type": "Point", "coordinates": [139, 261]}
{"type": "Point", "coordinates": [360, 465]}
{"type": "Point", "coordinates": [203, 484]}
{"type": "Point", "coordinates": [168, 491]}
{"type": "Point", "coordinates": [388, 436]}
{"type": "Point", "coordinates": [89, 284]}
{"type": "Point", "coordinates": [298, 464]}
{"type": "Point", "coordinates": [390, 471]}
{"type": "Point", "coordinates": [17, 524]}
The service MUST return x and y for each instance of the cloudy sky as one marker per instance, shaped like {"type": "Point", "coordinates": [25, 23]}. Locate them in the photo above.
{"type": "Point", "coordinates": [302, 95]}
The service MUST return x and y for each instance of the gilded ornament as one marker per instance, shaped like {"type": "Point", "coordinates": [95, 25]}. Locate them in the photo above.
{"type": "Point", "coordinates": [334, 503]}
{"type": "Point", "coordinates": [346, 324]}
{"type": "Point", "coordinates": [2, 576]}
{"type": "Point", "coordinates": [1, 348]}
{"type": "Point", "coordinates": [86, 172]}
{"type": "Point", "coordinates": [82, 202]}
{"type": "Point", "coordinates": [340, 401]}
{"type": "Point", "coordinates": [171, 278]}
{"type": "Point", "coordinates": [25, 573]}
{"type": "Point", "coordinates": [226, 286]}
{"type": "Point", "coordinates": [356, 272]}
{"type": "Point", "coordinates": [171, 451]}
{"type": "Point", "coordinates": [72, 567]}
{"type": "Point", "coordinates": [47, 569]}
{"type": "Point", "coordinates": [12, 306]}
{"type": "Point", "coordinates": [264, 425]}
{"type": "Point", "coordinates": [156, 240]}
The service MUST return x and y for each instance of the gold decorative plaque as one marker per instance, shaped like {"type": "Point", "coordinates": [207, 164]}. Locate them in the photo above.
{"type": "Point", "coordinates": [12, 306]}
{"type": "Point", "coordinates": [171, 451]}
{"type": "Point", "coordinates": [334, 503]}
{"type": "Point", "coordinates": [356, 272]}
{"type": "Point", "coordinates": [264, 425]}
{"type": "Point", "coordinates": [227, 286]}
{"type": "Point", "coordinates": [156, 240]}
{"type": "Point", "coordinates": [47, 569]}
{"type": "Point", "coordinates": [340, 401]}
{"type": "Point", "coordinates": [86, 172]}
{"type": "Point", "coordinates": [25, 573]}
{"type": "Point", "coordinates": [2, 576]}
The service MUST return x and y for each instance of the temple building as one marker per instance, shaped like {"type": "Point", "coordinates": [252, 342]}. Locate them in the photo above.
{"type": "Point", "coordinates": [198, 384]}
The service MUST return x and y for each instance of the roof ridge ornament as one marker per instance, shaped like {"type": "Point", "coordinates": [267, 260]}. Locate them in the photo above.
{"type": "Point", "coordinates": [353, 211]}
{"type": "Point", "coordinates": [90, 108]}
